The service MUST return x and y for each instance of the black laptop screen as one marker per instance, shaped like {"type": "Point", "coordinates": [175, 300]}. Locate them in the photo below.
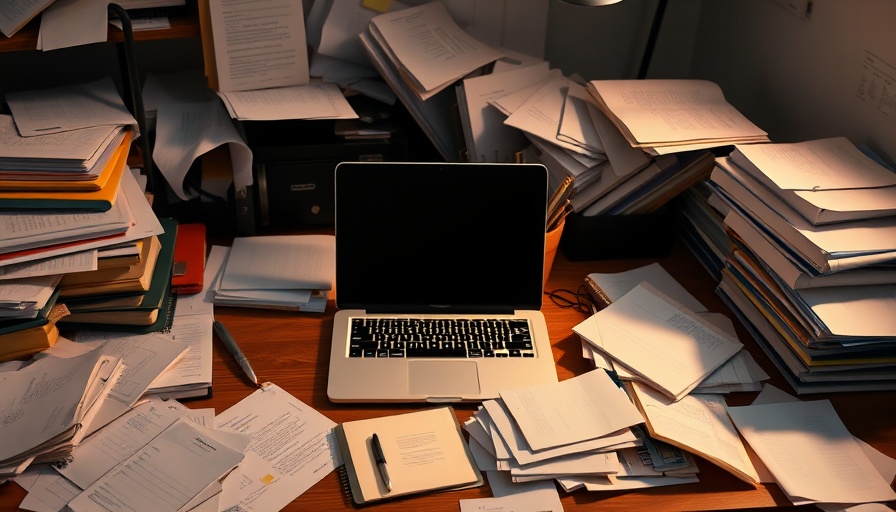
{"type": "Point", "coordinates": [431, 237]}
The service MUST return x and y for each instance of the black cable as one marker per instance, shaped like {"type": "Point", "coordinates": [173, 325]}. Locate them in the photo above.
{"type": "Point", "coordinates": [579, 300]}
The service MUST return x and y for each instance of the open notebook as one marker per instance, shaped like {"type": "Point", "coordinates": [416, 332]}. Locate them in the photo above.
{"type": "Point", "coordinates": [443, 240]}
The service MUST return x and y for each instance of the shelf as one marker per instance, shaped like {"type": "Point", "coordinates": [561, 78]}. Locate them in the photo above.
{"type": "Point", "coordinates": [182, 26]}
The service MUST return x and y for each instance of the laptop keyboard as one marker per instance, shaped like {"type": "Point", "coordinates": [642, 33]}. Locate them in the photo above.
{"type": "Point", "coordinates": [421, 337]}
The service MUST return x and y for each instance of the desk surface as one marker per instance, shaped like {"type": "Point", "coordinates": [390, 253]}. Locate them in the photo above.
{"type": "Point", "coordinates": [292, 350]}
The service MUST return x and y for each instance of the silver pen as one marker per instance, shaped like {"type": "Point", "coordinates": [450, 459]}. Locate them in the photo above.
{"type": "Point", "coordinates": [235, 351]}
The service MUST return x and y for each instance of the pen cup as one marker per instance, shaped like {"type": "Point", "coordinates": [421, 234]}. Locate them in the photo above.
{"type": "Point", "coordinates": [551, 242]}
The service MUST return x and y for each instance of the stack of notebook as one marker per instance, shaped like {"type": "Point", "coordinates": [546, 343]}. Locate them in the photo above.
{"type": "Point", "coordinates": [73, 210]}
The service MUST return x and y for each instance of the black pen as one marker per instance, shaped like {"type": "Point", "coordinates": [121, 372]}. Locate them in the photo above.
{"type": "Point", "coordinates": [235, 351]}
{"type": "Point", "coordinates": [381, 462]}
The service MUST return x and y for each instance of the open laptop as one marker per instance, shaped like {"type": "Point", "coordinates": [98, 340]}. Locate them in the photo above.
{"type": "Point", "coordinates": [446, 240]}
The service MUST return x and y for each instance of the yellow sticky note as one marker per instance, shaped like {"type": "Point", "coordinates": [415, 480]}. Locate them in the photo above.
{"type": "Point", "coordinates": [267, 479]}
{"type": "Point", "coordinates": [377, 5]}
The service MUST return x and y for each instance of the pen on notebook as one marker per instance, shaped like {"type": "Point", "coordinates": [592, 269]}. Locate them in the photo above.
{"type": "Point", "coordinates": [235, 351]}
{"type": "Point", "coordinates": [381, 461]}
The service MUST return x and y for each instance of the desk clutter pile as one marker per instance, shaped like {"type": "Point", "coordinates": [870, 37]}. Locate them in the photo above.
{"type": "Point", "coordinates": [802, 238]}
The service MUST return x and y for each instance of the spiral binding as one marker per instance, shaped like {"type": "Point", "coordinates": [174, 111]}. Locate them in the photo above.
{"type": "Point", "coordinates": [345, 484]}
{"type": "Point", "coordinates": [172, 305]}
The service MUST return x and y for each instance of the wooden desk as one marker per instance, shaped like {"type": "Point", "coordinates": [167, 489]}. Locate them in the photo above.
{"type": "Point", "coordinates": [292, 351]}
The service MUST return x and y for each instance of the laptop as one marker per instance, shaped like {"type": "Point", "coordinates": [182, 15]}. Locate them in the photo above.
{"type": "Point", "coordinates": [455, 249]}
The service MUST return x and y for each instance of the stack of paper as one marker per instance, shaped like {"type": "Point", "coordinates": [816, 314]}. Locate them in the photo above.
{"type": "Point", "coordinates": [169, 457]}
{"type": "Point", "coordinates": [662, 342]}
{"type": "Point", "coordinates": [422, 53]}
{"type": "Point", "coordinates": [73, 211]}
{"type": "Point", "coordinates": [428, 47]}
{"type": "Point", "coordinates": [677, 362]}
{"type": "Point", "coordinates": [529, 105]}
{"type": "Point", "coordinates": [258, 69]}
{"type": "Point", "coordinates": [288, 272]}
{"type": "Point", "coordinates": [196, 459]}
{"type": "Point", "coordinates": [739, 373]}
{"type": "Point", "coordinates": [665, 116]}
{"type": "Point", "coordinates": [813, 228]}
{"type": "Point", "coordinates": [582, 432]}
{"type": "Point", "coordinates": [55, 401]}
{"type": "Point", "coordinates": [826, 180]}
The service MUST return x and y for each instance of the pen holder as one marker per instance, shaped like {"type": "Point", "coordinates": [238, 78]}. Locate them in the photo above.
{"type": "Point", "coordinates": [551, 242]}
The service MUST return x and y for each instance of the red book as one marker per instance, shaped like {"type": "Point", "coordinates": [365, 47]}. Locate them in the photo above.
{"type": "Point", "coordinates": [189, 259]}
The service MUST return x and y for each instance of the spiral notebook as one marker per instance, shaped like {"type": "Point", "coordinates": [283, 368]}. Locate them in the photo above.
{"type": "Point", "coordinates": [423, 451]}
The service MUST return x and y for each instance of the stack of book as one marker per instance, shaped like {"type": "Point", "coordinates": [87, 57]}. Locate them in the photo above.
{"type": "Point", "coordinates": [75, 216]}
{"type": "Point", "coordinates": [131, 294]}
{"type": "Point", "coordinates": [812, 270]}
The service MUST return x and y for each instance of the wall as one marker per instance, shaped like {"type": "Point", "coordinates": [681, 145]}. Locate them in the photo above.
{"type": "Point", "coordinates": [802, 79]}
{"type": "Point", "coordinates": [608, 42]}
{"type": "Point", "coordinates": [797, 78]}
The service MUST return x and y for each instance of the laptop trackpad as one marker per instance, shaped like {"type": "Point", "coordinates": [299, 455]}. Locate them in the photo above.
{"type": "Point", "coordinates": [447, 379]}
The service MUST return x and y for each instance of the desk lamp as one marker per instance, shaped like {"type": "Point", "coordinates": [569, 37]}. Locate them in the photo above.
{"type": "Point", "coordinates": [651, 38]}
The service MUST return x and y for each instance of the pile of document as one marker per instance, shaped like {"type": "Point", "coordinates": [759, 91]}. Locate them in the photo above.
{"type": "Point", "coordinates": [527, 109]}
{"type": "Point", "coordinates": [170, 457]}
{"type": "Point", "coordinates": [680, 387]}
{"type": "Point", "coordinates": [79, 233]}
{"type": "Point", "coordinates": [583, 432]}
{"type": "Point", "coordinates": [673, 358]}
{"type": "Point", "coordinates": [810, 270]}
{"type": "Point", "coordinates": [421, 53]}
{"type": "Point", "coordinates": [285, 272]}
{"type": "Point", "coordinates": [738, 372]}
{"type": "Point", "coordinates": [257, 68]}
{"type": "Point", "coordinates": [51, 405]}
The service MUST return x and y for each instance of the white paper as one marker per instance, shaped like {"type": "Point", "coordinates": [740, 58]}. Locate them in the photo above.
{"type": "Point", "coordinates": [14, 14]}
{"type": "Point", "coordinates": [186, 131]}
{"type": "Point", "coordinates": [68, 23]}
{"type": "Point", "coordinates": [506, 432]}
{"type": "Point", "coordinates": [577, 409]}
{"type": "Point", "coordinates": [617, 284]}
{"type": "Point", "coordinates": [541, 113]}
{"type": "Point", "coordinates": [145, 357]}
{"type": "Point", "coordinates": [700, 425]}
{"type": "Point", "coordinates": [258, 44]}
{"type": "Point", "coordinates": [512, 497]}
{"type": "Point", "coordinates": [661, 112]}
{"type": "Point", "coordinates": [660, 340]}
{"type": "Point", "coordinates": [433, 49]}
{"type": "Point", "coordinates": [59, 109]}
{"type": "Point", "coordinates": [315, 100]}
{"type": "Point", "coordinates": [281, 262]}
{"type": "Point", "coordinates": [120, 439]}
{"type": "Point", "coordinates": [83, 261]}
{"type": "Point", "coordinates": [824, 164]}
{"type": "Point", "coordinates": [810, 452]}
{"type": "Point", "coordinates": [492, 140]}
{"type": "Point", "coordinates": [168, 472]}
{"type": "Point", "coordinates": [292, 447]}
{"type": "Point", "coordinates": [42, 400]}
